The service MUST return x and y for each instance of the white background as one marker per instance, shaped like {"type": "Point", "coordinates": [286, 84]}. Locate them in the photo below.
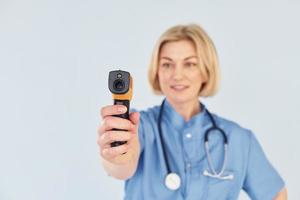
{"type": "Point", "coordinates": [55, 56]}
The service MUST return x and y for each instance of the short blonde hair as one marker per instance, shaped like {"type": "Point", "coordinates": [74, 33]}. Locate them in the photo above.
{"type": "Point", "coordinates": [206, 53]}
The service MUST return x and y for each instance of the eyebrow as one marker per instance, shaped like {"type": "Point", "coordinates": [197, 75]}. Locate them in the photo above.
{"type": "Point", "coordinates": [170, 59]}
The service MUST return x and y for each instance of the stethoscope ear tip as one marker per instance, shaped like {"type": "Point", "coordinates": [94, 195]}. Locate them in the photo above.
{"type": "Point", "coordinates": [218, 176]}
{"type": "Point", "coordinates": [206, 173]}
{"type": "Point", "coordinates": [230, 176]}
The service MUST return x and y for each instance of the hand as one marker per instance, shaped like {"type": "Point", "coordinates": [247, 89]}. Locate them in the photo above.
{"type": "Point", "coordinates": [124, 153]}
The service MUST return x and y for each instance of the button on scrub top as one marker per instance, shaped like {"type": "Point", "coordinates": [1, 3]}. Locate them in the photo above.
{"type": "Point", "coordinates": [184, 144]}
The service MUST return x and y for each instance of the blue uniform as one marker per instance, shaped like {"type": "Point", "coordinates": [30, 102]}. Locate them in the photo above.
{"type": "Point", "coordinates": [184, 144]}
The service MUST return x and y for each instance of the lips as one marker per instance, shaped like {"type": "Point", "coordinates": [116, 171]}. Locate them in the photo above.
{"type": "Point", "coordinates": [179, 87]}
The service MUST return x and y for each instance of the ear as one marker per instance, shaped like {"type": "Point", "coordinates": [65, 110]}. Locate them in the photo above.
{"type": "Point", "coordinates": [202, 87]}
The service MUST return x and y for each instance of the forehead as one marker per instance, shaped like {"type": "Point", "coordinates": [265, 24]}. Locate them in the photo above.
{"type": "Point", "coordinates": [178, 49]}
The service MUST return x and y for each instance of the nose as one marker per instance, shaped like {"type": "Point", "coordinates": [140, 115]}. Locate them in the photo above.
{"type": "Point", "coordinates": [178, 73]}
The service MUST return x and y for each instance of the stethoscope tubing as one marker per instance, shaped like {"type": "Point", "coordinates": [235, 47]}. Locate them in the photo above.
{"type": "Point", "coordinates": [165, 157]}
{"type": "Point", "coordinates": [214, 174]}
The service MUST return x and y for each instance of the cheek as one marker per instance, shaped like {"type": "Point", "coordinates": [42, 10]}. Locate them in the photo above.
{"type": "Point", "coordinates": [196, 79]}
{"type": "Point", "coordinates": [163, 81]}
{"type": "Point", "coordinates": [162, 77]}
{"type": "Point", "coordinates": [160, 80]}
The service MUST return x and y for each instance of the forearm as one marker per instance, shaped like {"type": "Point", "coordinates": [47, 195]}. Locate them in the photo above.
{"type": "Point", "coordinates": [282, 195]}
{"type": "Point", "coordinates": [122, 172]}
{"type": "Point", "coordinates": [126, 163]}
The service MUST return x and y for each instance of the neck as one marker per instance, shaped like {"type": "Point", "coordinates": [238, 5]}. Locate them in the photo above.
{"type": "Point", "coordinates": [186, 109]}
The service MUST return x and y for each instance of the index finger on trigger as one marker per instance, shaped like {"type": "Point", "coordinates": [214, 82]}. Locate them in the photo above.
{"type": "Point", "coordinates": [112, 110]}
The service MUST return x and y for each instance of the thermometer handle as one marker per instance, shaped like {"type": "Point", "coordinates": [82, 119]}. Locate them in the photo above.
{"type": "Point", "coordinates": [124, 116]}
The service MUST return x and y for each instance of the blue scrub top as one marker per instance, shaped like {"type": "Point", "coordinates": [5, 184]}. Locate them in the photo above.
{"type": "Point", "coordinates": [184, 144]}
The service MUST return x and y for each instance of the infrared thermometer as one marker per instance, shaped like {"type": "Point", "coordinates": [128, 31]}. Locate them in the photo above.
{"type": "Point", "coordinates": [120, 85]}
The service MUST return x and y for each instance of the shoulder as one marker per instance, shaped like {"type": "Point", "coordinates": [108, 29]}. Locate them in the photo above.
{"type": "Point", "coordinates": [240, 140]}
{"type": "Point", "coordinates": [147, 123]}
{"type": "Point", "coordinates": [233, 128]}
{"type": "Point", "coordinates": [149, 114]}
{"type": "Point", "coordinates": [148, 119]}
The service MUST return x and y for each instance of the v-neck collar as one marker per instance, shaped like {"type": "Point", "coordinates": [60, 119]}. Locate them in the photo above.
{"type": "Point", "coordinates": [178, 121]}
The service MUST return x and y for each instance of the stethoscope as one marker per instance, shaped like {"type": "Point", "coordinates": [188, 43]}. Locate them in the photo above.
{"type": "Point", "coordinates": [172, 179]}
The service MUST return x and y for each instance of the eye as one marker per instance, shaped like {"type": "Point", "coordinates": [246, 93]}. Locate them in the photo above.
{"type": "Point", "coordinates": [166, 65]}
{"type": "Point", "coordinates": [190, 64]}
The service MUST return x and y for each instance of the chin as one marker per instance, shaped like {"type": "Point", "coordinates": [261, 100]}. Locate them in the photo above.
{"type": "Point", "coordinates": [179, 99]}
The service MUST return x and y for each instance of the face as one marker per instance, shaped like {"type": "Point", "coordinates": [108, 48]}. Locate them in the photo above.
{"type": "Point", "coordinates": [178, 71]}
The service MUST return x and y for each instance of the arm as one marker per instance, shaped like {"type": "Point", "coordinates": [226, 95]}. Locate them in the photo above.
{"type": "Point", "coordinates": [120, 161]}
{"type": "Point", "coordinates": [282, 195]}
{"type": "Point", "coordinates": [262, 180]}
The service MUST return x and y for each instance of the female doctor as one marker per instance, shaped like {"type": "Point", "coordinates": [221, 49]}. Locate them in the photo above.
{"type": "Point", "coordinates": [179, 150]}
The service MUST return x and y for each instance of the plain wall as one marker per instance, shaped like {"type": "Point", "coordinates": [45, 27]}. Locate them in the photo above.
{"type": "Point", "coordinates": [55, 56]}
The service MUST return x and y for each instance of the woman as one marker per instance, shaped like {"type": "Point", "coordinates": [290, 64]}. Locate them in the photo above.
{"type": "Point", "coordinates": [170, 138]}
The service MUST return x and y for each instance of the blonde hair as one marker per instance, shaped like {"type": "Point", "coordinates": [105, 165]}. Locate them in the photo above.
{"type": "Point", "coordinates": [206, 53]}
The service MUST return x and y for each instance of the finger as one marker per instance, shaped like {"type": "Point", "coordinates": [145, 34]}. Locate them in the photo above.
{"type": "Point", "coordinates": [111, 136]}
{"type": "Point", "coordinates": [112, 152]}
{"type": "Point", "coordinates": [112, 110]}
{"type": "Point", "coordinates": [134, 117]}
{"type": "Point", "coordinates": [100, 128]}
{"type": "Point", "coordinates": [111, 122]}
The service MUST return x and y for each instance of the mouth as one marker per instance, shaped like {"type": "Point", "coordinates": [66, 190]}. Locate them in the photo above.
{"type": "Point", "coordinates": [179, 88]}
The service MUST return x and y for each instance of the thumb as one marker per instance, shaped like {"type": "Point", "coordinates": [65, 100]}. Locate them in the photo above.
{"type": "Point", "coordinates": [134, 117]}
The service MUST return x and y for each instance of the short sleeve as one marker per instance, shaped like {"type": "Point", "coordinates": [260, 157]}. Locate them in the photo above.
{"type": "Point", "coordinates": [141, 128]}
{"type": "Point", "coordinates": [262, 181]}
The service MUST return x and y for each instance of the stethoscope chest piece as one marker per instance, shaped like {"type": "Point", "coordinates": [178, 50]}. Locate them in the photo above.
{"type": "Point", "coordinates": [172, 181]}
